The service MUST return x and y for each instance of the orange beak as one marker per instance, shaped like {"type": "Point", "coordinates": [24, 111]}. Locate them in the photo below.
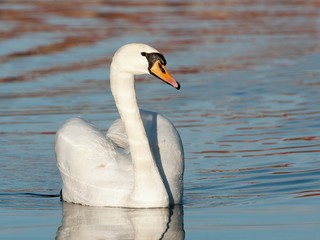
{"type": "Point", "coordinates": [160, 71]}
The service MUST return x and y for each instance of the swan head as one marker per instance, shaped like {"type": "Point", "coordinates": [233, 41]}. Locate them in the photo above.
{"type": "Point", "coordinates": [138, 58]}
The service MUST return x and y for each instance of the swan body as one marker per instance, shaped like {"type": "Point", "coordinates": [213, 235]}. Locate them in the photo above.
{"type": "Point", "coordinates": [139, 162]}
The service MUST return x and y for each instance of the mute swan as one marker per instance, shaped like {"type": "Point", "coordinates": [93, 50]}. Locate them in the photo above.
{"type": "Point", "coordinates": [139, 163]}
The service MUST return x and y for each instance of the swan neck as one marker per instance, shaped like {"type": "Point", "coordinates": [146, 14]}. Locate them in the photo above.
{"type": "Point", "coordinates": [123, 90]}
{"type": "Point", "coordinates": [148, 189]}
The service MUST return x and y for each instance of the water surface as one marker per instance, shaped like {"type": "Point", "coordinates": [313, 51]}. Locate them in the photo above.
{"type": "Point", "coordinates": [248, 113]}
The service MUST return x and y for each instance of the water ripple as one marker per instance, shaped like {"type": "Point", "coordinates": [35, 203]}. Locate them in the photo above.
{"type": "Point", "coordinates": [248, 109]}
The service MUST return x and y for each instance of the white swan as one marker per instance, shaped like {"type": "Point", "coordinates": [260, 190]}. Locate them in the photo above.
{"type": "Point", "coordinates": [139, 162]}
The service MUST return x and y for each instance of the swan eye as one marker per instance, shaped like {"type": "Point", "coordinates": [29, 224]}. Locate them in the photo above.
{"type": "Point", "coordinates": [144, 54]}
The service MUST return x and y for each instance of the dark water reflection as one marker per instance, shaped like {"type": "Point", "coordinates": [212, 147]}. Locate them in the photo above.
{"type": "Point", "coordinates": [248, 111]}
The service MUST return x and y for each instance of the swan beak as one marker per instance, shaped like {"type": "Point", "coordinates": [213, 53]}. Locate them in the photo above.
{"type": "Point", "coordinates": [160, 71]}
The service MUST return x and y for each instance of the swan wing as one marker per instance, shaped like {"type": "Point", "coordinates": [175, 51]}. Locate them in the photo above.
{"type": "Point", "coordinates": [91, 168]}
{"type": "Point", "coordinates": [168, 153]}
{"type": "Point", "coordinates": [117, 134]}
{"type": "Point", "coordinates": [81, 142]}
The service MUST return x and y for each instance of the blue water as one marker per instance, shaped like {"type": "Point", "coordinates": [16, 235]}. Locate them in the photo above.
{"type": "Point", "coordinates": [248, 114]}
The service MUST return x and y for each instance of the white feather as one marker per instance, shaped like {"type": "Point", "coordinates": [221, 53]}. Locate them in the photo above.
{"type": "Point", "coordinates": [137, 163]}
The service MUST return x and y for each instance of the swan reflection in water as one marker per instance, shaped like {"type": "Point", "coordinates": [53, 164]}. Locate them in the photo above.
{"type": "Point", "coordinates": [84, 222]}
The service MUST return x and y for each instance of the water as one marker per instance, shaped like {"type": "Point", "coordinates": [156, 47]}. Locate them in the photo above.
{"type": "Point", "coordinates": [248, 113]}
